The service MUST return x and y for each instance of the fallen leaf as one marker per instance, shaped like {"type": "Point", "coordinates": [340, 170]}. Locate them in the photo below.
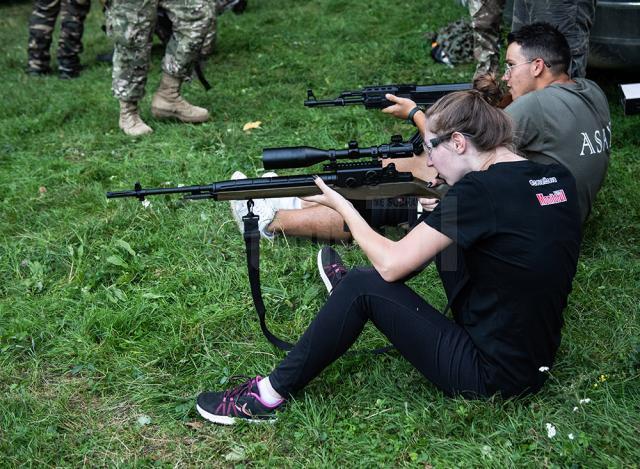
{"type": "Point", "coordinates": [251, 125]}
{"type": "Point", "coordinates": [43, 190]}
{"type": "Point", "coordinates": [195, 425]}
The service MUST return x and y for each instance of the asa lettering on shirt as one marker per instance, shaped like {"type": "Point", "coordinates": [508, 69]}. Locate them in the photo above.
{"type": "Point", "coordinates": [556, 197]}
{"type": "Point", "coordinates": [596, 142]}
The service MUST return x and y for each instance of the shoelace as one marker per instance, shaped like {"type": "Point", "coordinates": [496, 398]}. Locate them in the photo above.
{"type": "Point", "coordinates": [229, 397]}
{"type": "Point", "coordinates": [335, 270]}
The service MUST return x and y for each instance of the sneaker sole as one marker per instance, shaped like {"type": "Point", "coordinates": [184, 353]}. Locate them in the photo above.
{"type": "Point", "coordinates": [323, 275]}
{"type": "Point", "coordinates": [224, 420]}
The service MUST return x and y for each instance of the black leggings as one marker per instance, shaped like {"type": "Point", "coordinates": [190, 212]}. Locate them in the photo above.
{"type": "Point", "coordinates": [438, 347]}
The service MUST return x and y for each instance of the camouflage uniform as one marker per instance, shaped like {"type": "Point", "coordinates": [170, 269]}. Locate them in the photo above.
{"type": "Point", "coordinates": [486, 16]}
{"type": "Point", "coordinates": [41, 24]}
{"type": "Point", "coordinates": [572, 17]}
{"type": "Point", "coordinates": [130, 23]}
{"type": "Point", "coordinates": [209, 43]}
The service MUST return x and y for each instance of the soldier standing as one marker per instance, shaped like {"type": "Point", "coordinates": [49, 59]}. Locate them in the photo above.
{"type": "Point", "coordinates": [130, 24]}
{"type": "Point", "coordinates": [573, 18]}
{"type": "Point", "coordinates": [41, 24]}
{"type": "Point", "coordinates": [486, 16]}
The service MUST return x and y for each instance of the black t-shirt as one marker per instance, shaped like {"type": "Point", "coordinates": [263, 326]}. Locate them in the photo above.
{"type": "Point", "coordinates": [518, 227]}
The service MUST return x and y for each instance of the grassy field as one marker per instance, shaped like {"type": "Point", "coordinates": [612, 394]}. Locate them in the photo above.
{"type": "Point", "coordinates": [113, 317]}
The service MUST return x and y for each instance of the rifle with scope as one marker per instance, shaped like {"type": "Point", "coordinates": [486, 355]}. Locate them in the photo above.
{"type": "Point", "coordinates": [357, 180]}
{"type": "Point", "coordinates": [373, 97]}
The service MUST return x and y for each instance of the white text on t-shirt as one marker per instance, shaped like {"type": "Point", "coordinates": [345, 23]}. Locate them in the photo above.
{"type": "Point", "coordinates": [599, 137]}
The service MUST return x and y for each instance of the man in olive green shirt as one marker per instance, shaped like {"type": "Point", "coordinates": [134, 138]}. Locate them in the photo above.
{"type": "Point", "coordinates": [557, 119]}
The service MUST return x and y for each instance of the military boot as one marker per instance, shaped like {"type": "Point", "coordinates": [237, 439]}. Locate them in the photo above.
{"type": "Point", "coordinates": [167, 102]}
{"type": "Point", "coordinates": [130, 121]}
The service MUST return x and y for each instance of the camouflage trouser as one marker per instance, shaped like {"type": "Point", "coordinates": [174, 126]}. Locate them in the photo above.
{"type": "Point", "coordinates": [130, 23]}
{"type": "Point", "coordinates": [486, 17]}
{"type": "Point", "coordinates": [572, 17]}
{"type": "Point", "coordinates": [209, 43]}
{"type": "Point", "coordinates": [41, 24]}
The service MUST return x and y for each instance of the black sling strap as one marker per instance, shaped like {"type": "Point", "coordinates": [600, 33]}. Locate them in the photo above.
{"type": "Point", "coordinates": [200, 74]}
{"type": "Point", "coordinates": [252, 245]}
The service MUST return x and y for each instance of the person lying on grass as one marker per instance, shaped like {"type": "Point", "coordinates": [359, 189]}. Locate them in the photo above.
{"type": "Point", "coordinates": [505, 239]}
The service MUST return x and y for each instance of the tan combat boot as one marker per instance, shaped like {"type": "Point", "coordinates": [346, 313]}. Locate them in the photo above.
{"type": "Point", "coordinates": [167, 102]}
{"type": "Point", "coordinates": [130, 121]}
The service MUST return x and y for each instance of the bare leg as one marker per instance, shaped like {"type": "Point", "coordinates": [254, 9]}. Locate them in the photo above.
{"type": "Point", "coordinates": [316, 221]}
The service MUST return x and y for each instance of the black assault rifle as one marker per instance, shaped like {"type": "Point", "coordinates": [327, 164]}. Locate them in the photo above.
{"type": "Point", "coordinates": [373, 97]}
{"type": "Point", "coordinates": [360, 180]}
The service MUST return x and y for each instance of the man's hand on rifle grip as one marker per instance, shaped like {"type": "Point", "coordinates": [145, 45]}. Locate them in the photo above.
{"type": "Point", "coordinates": [401, 108]}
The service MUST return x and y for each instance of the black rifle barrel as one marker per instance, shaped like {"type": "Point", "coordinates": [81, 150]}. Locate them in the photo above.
{"type": "Point", "coordinates": [141, 193]}
{"type": "Point", "coordinates": [373, 97]}
{"type": "Point", "coordinates": [237, 189]}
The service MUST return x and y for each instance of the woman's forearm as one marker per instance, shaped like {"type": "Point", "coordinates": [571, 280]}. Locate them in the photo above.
{"type": "Point", "coordinates": [377, 248]}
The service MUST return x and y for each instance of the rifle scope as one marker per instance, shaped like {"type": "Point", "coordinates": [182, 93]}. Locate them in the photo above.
{"type": "Point", "coordinates": [301, 157]}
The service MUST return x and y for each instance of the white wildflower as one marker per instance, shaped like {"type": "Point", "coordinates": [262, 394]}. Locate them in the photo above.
{"type": "Point", "coordinates": [542, 369]}
{"type": "Point", "coordinates": [146, 203]}
{"type": "Point", "coordinates": [571, 436]}
{"type": "Point", "coordinates": [551, 430]}
{"type": "Point", "coordinates": [585, 401]}
{"type": "Point", "coordinates": [575, 409]}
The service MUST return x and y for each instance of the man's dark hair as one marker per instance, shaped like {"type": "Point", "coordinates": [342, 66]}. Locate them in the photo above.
{"type": "Point", "coordinates": [542, 40]}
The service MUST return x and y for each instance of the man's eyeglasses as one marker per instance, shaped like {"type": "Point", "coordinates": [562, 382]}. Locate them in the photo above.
{"type": "Point", "coordinates": [435, 141]}
{"type": "Point", "coordinates": [509, 67]}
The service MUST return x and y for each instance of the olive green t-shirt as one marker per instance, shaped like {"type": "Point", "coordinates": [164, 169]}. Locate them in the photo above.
{"type": "Point", "coordinates": [567, 124]}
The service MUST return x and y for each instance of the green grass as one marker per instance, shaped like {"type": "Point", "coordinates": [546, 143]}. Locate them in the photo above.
{"type": "Point", "coordinates": [113, 317]}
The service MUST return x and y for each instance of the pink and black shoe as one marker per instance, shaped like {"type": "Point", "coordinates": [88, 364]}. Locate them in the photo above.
{"type": "Point", "coordinates": [240, 403]}
{"type": "Point", "coordinates": [331, 268]}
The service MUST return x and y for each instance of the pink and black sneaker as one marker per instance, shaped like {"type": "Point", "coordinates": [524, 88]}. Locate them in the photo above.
{"type": "Point", "coordinates": [240, 403]}
{"type": "Point", "coordinates": [331, 268]}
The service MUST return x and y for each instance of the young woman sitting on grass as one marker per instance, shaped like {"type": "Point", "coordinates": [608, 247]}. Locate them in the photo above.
{"type": "Point", "coordinates": [505, 239]}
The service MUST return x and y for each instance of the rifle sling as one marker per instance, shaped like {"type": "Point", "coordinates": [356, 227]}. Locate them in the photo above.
{"type": "Point", "coordinates": [252, 244]}
{"type": "Point", "coordinates": [200, 74]}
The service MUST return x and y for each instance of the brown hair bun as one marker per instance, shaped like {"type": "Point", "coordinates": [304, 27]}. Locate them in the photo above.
{"type": "Point", "coordinates": [489, 88]}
